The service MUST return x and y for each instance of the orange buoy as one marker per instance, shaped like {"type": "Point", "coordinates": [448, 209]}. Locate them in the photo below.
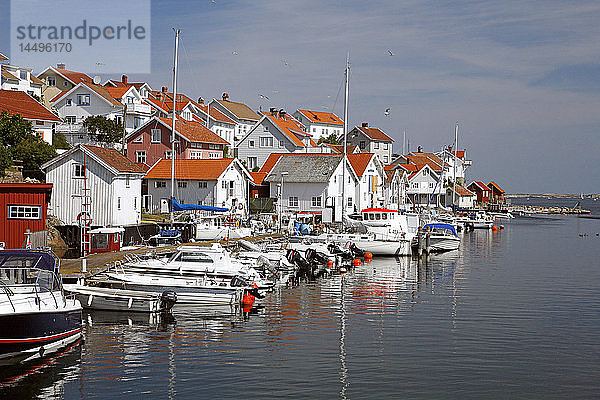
{"type": "Point", "coordinates": [368, 255]}
{"type": "Point", "coordinates": [494, 228]}
{"type": "Point", "coordinates": [356, 262]}
{"type": "Point", "coordinates": [329, 263]}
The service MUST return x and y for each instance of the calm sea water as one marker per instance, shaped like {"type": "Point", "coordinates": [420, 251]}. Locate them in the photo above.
{"type": "Point", "coordinates": [512, 314]}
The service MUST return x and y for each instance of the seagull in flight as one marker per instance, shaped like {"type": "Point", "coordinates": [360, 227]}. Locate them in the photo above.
{"type": "Point", "coordinates": [213, 1]}
{"type": "Point", "coordinates": [285, 63]}
{"type": "Point", "coordinates": [235, 53]}
{"type": "Point", "coordinates": [387, 112]}
{"type": "Point", "coordinates": [262, 96]}
{"type": "Point", "coordinates": [391, 54]}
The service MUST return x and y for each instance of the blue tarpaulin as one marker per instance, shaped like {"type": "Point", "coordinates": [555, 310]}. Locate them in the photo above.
{"type": "Point", "coordinates": [175, 206]}
{"type": "Point", "coordinates": [440, 225]}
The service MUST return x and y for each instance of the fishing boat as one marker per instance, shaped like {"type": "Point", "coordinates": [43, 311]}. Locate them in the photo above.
{"type": "Point", "coordinates": [112, 299]}
{"type": "Point", "coordinates": [36, 316]}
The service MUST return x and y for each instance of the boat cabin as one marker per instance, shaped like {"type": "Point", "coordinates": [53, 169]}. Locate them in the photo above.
{"type": "Point", "coordinates": [376, 216]}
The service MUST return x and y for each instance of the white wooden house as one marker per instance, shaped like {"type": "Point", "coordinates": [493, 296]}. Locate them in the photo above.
{"type": "Point", "coordinates": [372, 140]}
{"type": "Point", "coordinates": [218, 183]}
{"type": "Point", "coordinates": [244, 117]}
{"type": "Point", "coordinates": [396, 184]}
{"type": "Point", "coordinates": [369, 190]}
{"type": "Point", "coordinates": [114, 183]}
{"type": "Point", "coordinates": [320, 123]}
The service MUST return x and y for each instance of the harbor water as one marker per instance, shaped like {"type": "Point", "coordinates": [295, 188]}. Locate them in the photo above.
{"type": "Point", "coordinates": [511, 314]}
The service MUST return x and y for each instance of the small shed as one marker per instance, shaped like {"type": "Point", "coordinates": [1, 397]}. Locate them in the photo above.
{"type": "Point", "coordinates": [496, 194]}
{"type": "Point", "coordinates": [105, 240]}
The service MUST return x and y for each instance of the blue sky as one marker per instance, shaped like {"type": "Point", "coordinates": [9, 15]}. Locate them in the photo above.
{"type": "Point", "coordinates": [521, 78]}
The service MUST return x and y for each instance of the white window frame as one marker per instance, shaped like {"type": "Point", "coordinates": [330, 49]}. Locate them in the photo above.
{"type": "Point", "coordinates": [160, 184]}
{"type": "Point", "coordinates": [68, 102]}
{"type": "Point", "coordinates": [376, 145]}
{"type": "Point", "coordinates": [140, 156]}
{"type": "Point", "coordinates": [252, 162]}
{"type": "Point", "coordinates": [118, 203]}
{"type": "Point", "coordinates": [70, 119]}
{"type": "Point", "coordinates": [78, 171]}
{"type": "Point", "coordinates": [24, 212]}
{"type": "Point", "coordinates": [182, 184]}
{"type": "Point", "coordinates": [268, 140]}
{"type": "Point", "coordinates": [251, 144]}
{"type": "Point", "coordinates": [293, 202]}
{"type": "Point", "coordinates": [154, 131]}
{"type": "Point", "coordinates": [139, 139]}
{"type": "Point", "coordinates": [168, 154]}
{"type": "Point", "coordinates": [51, 81]}
{"type": "Point", "coordinates": [81, 99]}
{"type": "Point", "coordinates": [195, 154]}
{"type": "Point", "coordinates": [214, 155]}
{"type": "Point", "coordinates": [202, 185]}
{"type": "Point", "coordinates": [317, 201]}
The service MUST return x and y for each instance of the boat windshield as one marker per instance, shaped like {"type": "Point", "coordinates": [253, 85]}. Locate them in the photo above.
{"type": "Point", "coordinates": [191, 256]}
{"type": "Point", "coordinates": [44, 280]}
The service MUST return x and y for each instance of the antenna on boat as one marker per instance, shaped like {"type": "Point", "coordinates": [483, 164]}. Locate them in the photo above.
{"type": "Point", "coordinates": [345, 162]}
{"type": "Point", "coordinates": [454, 163]}
{"type": "Point", "coordinates": [177, 31]}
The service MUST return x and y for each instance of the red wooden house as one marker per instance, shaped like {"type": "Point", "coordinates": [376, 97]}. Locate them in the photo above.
{"type": "Point", "coordinates": [23, 206]}
{"type": "Point", "coordinates": [152, 141]}
{"type": "Point", "coordinates": [497, 194]}
{"type": "Point", "coordinates": [481, 190]}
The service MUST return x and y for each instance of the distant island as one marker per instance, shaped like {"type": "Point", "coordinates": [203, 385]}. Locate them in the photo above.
{"type": "Point", "coordinates": [553, 195]}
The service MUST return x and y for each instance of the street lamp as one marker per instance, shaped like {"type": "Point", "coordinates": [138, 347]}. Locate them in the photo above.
{"type": "Point", "coordinates": [281, 199]}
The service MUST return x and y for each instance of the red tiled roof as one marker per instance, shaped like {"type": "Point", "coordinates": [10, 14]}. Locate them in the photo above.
{"type": "Point", "coordinates": [193, 131]}
{"type": "Point", "coordinates": [117, 92]}
{"type": "Point", "coordinates": [339, 148]}
{"type": "Point", "coordinates": [258, 177]}
{"type": "Point", "coordinates": [215, 114]}
{"type": "Point", "coordinates": [289, 128]}
{"type": "Point", "coordinates": [58, 96]}
{"type": "Point", "coordinates": [422, 159]}
{"type": "Point", "coordinates": [190, 169]}
{"type": "Point", "coordinates": [374, 134]}
{"type": "Point", "coordinates": [8, 75]}
{"type": "Point", "coordinates": [17, 102]}
{"type": "Point", "coordinates": [35, 79]}
{"type": "Point", "coordinates": [73, 76]}
{"type": "Point", "coordinates": [321, 117]}
{"type": "Point", "coordinates": [459, 153]}
{"type": "Point", "coordinates": [115, 159]}
{"type": "Point", "coordinates": [494, 184]}
{"type": "Point", "coordinates": [462, 191]}
{"type": "Point", "coordinates": [359, 162]}
{"type": "Point", "coordinates": [480, 185]}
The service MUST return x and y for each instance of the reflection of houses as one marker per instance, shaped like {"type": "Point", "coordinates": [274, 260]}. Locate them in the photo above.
{"type": "Point", "coordinates": [113, 181]}
{"type": "Point", "coordinates": [219, 183]}
{"type": "Point", "coordinates": [42, 120]}
{"type": "Point", "coordinates": [462, 197]}
{"type": "Point", "coordinates": [152, 141]}
{"type": "Point", "coordinates": [23, 206]}
{"type": "Point", "coordinates": [481, 191]}
{"type": "Point", "coordinates": [372, 140]}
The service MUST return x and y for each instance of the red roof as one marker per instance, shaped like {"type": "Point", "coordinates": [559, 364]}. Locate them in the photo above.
{"type": "Point", "coordinates": [190, 169]}
{"type": "Point", "coordinates": [359, 162]}
{"type": "Point", "coordinates": [258, 177]}
{"type": "Point", "coordinates": [115, 159]}
{"type": "Point", "coordinates": [215, 114]}
{"type": "Point", "coordinates": [374, 133]}
{"type": "Point", "coordinates": [17, 102]}
{"type": "Point", "coordinates": [290, 127]}
{"type": "Point", "coordinates": [495, 185]}
{"type": "Point", "coordinates": [193, 131]}
{"type": "Point", "coordinates": [8, 75]}
{"type": "Point", "coordinates": [73, 76]}
{"type": "Point", "coordinates": [480, 185]}
{"type": "Point", "coordinates": [462, 191]}
{"type": "Point", "coordinates": [339, 148]}
{"type": "Point", "coordinates": [117, 92]}
{"type": "Point", "coordinates": [321, 117]}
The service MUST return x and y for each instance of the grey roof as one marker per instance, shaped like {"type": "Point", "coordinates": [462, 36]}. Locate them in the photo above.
{"type": "Point", "coordinates": [305, 168]}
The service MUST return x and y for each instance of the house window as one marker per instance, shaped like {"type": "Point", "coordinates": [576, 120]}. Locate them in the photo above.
{"type": "Point", "coordinates": [160, 184]}
{"type": "Point", "coordinates": [224, 185]}
{"type": "Point", "coordinates": [266, 141]}
{"type": "Point", "coordinates": [430, 185]}
{"type": "Point", "coordinates": [83, 99]}
{"type": "Point", "coordinates": [155, 135]}
{"type": "Point", "coordinates": [424, 172]}
{"type": "Point", "coordinates": [231, 188]}
{"type": "Point", "coordinates": [214, 155]}
{"type": "Point", "coordinates": [265, 128]}
{"type": "Point", "coordinates": [139, 139]}
{"type": "Point", "coordinates": [252, 162]}
{"type": "Point", "coordinates": [349, 201]}
{"type": "Point", "coordinates": [195, 154]}
{"type": "Point", "coordinates": [385, 146]}
{"type": "Point", "coordinates": [202, 185]}
{"type": "Point", "coordinates": [213, 146]}
{"type": "Point", "coordinates": [135, 203]}
{"type": "Point", "coordinates": [118, 203]}
{"type": "Point", "coordinates": [137, 122]}
{"type": "Point", "coordinates": [127, 183]}
{"type": "Point", "coordinates": [68, 102]}
{"type": "Point", "coordinates": [376, 145]}
{"type": "Point", "coordinates": [314, 129]}
{"type": "Point", "coordinates": [281, 143]}
{"type": "Point", "coordinates": [70, 119]}
{"type": "Point", "coordinates": [385, 159]}
{"type": "Point", "coordinates": [168, 154]}
{"type": "Point", "coordinates": [293, 201]}
{"type": "Point", "coordinates": [23, 75]}
{"type": "Point", "coordinates": [250, 143]}
{"type": "Point", "coordinates": [362, 144]}
{"type": "Point", "coordinates": [25, 212]}
{"type": "Point", "coordinates": [78, 171]}
{"type": "Point", "coordinates": [51, 80]}
{"type": "Point", "coordinates": [316, 201]}
{"type": "Point", "coordinates": [182, 184]}
{"type": "Point", "coordinates": [140, 156]}
{"type": "Point", "coordinates": [119, 119]}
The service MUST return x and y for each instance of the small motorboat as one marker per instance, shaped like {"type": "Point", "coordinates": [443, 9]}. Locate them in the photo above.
{"type": "Point", "coordinates": [101, 298]}
{"type": "Point", "coordinates": [442, 237]}
{"type": "Point", "coordinates": [36, 316]}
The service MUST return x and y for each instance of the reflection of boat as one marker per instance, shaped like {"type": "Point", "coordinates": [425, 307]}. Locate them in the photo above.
{"type": "Point", "coordinates": [100, 298]}
{"type": "Point", "coordinates": [442, 237]}
{"type": "Point", "coordinates": [36, 317]}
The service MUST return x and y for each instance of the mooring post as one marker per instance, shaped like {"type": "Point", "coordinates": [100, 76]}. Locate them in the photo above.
{"type": "Point", "coordinates": [427, 241]}
{"type": "Point", "coordinates": [83, 265]}
{"type": "Point", "coordinates": [419, 242]}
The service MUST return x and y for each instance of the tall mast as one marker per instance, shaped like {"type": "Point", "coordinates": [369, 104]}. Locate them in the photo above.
{"type": "Point", "coordinates": [345, 161]}
{"type": "Point", "coordinates": [455, 160]}
{"type": "Point", "coordinates": [173, 126]}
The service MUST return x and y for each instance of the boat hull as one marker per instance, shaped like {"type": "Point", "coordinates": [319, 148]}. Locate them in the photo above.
{"type": "Point", "coordinates": [96, 298]}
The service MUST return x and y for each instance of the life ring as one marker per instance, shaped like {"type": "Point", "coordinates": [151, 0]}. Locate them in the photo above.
{"type": "Point", "coordinates": [240, 206]}
{"type": "Point", "coordinates": [237, 224]}
{"type": "Point", "coordinates": [84, 219]}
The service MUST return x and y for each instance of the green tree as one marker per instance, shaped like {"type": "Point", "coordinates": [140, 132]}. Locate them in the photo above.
{"type": "Point", "coordinates": [59, 141]}
{"type": "Point", "coordinates": [103, 129]}
{"type": "Point", "coordinates": [34, 152]}
{"type": "Point", "coordinates": [331, 139]}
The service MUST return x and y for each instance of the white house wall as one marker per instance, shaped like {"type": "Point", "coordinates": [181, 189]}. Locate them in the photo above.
{"type": "Point", "coordinates": [244, 151]}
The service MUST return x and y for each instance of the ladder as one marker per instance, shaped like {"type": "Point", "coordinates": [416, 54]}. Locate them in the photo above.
{"type": "Point", "coordinates": [85, 217]}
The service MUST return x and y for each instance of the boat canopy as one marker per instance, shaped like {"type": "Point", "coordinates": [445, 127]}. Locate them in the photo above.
{"type": "Point", "coordinates": [175, 206]}
{"type": "Point", "coordinates": [440, 225]}
{"type": "Point", "coordinates": [39, 259]}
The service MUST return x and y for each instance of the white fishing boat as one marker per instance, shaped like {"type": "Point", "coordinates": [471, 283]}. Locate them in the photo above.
{"type": "Point", "coordinates": [36, 316]}
{"type": "Point", "coordinates": [112, 299]}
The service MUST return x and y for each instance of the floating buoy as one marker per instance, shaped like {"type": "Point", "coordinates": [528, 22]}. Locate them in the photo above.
{"type": "Point", "coordinates": [494, 228]}
{"type": "Point", "coordinates": [356, 262]}
{"type": "Point", "coordinates": [329, 263]}
{"type": "Point", "coordinates": [342, 270]}
{"type": "Point", "coordinates": [501, 226]}
{"type": "Point", "coordinates": [368, 255]}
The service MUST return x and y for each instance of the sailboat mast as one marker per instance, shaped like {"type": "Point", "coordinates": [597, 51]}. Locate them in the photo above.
{"type": "Point", "coordinates": [345, 161]}
{"type": "Point", "coordinates": [455, 160]}
{"type": "Point", "coordinates": [173, 125]}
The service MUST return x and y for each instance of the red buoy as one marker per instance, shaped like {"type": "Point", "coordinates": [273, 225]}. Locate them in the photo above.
{"type": "Point", "coordinates": [356, 262]}
{"type": "Point", "coordinates": [368, 255]}
{"type": "Point", "coordinates": [329, 263]}
{"type": "Point", "coordinates": [501, 226]}
{"type": "Point", "coordinates": [494, 228]}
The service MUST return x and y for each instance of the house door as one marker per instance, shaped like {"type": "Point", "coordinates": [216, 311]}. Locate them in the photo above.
{"type": "Point", "coordinates": [164, 206]}
{"type": "Point", "coordinates": [147, 202]}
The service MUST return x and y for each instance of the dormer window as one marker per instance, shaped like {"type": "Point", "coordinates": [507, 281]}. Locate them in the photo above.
{"type": "Point", "coordinates": [51, 81]}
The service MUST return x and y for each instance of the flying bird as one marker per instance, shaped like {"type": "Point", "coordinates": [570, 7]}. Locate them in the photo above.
{"type": "Point", "coordinates": [387, 112]}
{"type": "Point", "coordinates": [285, 63]}
{"type": "Point", "coordinates": [391, 54]}
{"type": "Point", "coordinates": [235, 53]}
{"type": "Point", "coordinates": [213, 1]}
{"type": "Point", "coordinates": [262, 96]}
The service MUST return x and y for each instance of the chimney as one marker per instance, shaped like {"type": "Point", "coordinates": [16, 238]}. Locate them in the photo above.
{"type": "Point", "coordinates": [124, 79]}
{"type": "Point", "coordinates": [419, 149]}
{"type": "Point", "coordinates": [282, 113]}
{"type": "Point", "coordinates": [225, 96]}
{"type": "Point", "coordinates": [164, 89]}
{"type": "Point", "coordinates": [365, 124]}
{"type": "Point", "coordinates": [200, 101]}
{"type": "Point", "coordinates": [60, 66]}
{"type": "Point", "coordinates": [272, 111]}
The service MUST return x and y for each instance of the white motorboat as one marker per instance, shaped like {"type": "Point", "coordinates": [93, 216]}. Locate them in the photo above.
{"type": "Point", "coordinates": [442, 237]}
{"type": "Point", "coordinates": [36, 317]}
{"type": "Point", "coordinates": [217, 227]}
{"type": "Point", "coordinates": [102, 298]}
